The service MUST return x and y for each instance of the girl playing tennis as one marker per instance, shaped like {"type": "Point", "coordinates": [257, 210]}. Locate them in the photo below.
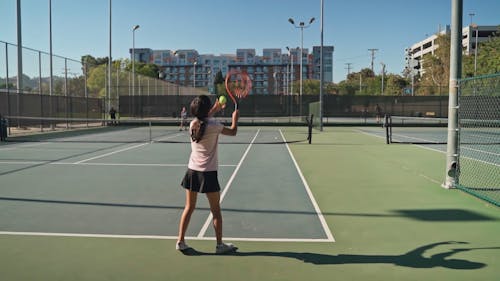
{"type": "Point", "coordinates": [201, 175]}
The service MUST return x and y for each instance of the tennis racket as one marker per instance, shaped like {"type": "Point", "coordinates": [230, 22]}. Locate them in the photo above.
{"type": "Point", "coordinates": [238, 85]}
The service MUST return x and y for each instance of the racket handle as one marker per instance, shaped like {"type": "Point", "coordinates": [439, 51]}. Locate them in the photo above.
{"type": "Point", "coordinates": [235, 106]}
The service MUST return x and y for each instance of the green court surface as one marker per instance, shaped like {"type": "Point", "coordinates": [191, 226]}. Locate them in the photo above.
{"type": "Point", "coordinates": [346, 207]}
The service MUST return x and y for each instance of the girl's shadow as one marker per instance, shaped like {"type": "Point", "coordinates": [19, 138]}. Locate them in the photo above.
{"type": "Point", "coordinates": [413, 258]}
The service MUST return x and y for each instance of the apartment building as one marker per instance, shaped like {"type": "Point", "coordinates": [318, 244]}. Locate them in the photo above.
{"type": "Point", "coordinates": [271, 73]}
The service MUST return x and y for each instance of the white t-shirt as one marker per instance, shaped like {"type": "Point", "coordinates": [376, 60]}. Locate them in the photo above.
{"type": "Point", "coordinates": [204, 153]}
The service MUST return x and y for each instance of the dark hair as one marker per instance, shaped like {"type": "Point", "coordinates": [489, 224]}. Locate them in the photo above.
{"type": "Point", "coordinates": [200, 106]}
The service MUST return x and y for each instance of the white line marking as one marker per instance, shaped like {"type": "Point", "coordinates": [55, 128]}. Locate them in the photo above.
{"type": "Point", "coordinates": [371, 134]}
{"type": "Point", "coordinates": [110, 153]}
{"type": "Point", "coordinates": [226, 189]}
{"type": "Point", "coordinates": [328, 233]}
{"type": "Point", "coordinates": [169, 137]}
{"type": "Point", "coordinates": [430, 179]}
{"type": "Point", "coordinates": [23, 162]}
{"type": "Point", "coordinates": [164, 237]}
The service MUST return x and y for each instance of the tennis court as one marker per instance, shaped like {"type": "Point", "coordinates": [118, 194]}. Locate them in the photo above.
{"type": "Point", "coordinates": [75, 185]}
{"type": "Point", "coordinates": [347, 206]}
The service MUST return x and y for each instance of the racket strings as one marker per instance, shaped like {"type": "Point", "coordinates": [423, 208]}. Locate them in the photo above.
{"type": "Point", "coordinates": [238, 85]}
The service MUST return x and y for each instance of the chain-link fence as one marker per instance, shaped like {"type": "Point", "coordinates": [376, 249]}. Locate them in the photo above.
{"type": "Point", "coordinates": [70, 88]}
{"type": "Point", "coordinates": [479, 150]}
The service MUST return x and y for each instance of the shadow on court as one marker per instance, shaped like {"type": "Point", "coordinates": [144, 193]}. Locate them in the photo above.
{"type": "Point", "coordinates": [437, 215]}
{"type": "Point", "coordinates": [413, 258]}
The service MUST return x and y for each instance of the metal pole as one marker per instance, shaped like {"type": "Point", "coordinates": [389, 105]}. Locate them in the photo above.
{"type": "Point", "coordinates": [194, 74]}
{"type": "Point", "coordinates": [86, 91]}
{"type": "Point", "coordinates": [301, 69]}
{"type": "Point", "coordinates": [51, 65]}
{"type": "Point", "coordinates": [455, 74]}
{"type": "Point", "coordinates": [301, 26]}
{"type": "Point", "coordinates": [133, 60]}
{"type": "Point", "coordinates": [383, 73]}
{"type": "Point", "coordinates": [66, 88]}
{"type": "Point", "coordinates": [40, 86]}
{"type": "Point", "coordinates": [118, 89]}
{"type": "Point", "coordinates": [321, 75]}
{"type": "Point", "coordinates": [475, 52]}
{"type": "Point", "coordinates": [19, 52]}
{"type": "Point", "coordinates": [7, 79]}
{"type": "Point", "coordinates": [412, 84]}
{"type": "Point", "coordinates": [19, 60]}
{"type": "Point", "coordinates": [291, 86]}
{"type": "Point", "coordinates": [110, 65]}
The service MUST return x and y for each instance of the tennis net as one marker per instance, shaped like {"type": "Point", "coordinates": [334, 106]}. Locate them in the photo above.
{"type": "Point", "coordinates": [424, 130]}
{"type": "Point", "coordinates": [160, 130]}
{"type": "Point", "coordinates": [415, 130]}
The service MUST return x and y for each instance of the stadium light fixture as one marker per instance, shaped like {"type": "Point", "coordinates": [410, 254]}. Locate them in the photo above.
{"type": "Point", "coordinates": [134, 28]}
{"type": "Point", "coordinates": [301, 26]}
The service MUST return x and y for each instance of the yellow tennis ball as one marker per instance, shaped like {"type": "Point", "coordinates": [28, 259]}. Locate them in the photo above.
{"type": "Point", "coordinates": [222, 100]}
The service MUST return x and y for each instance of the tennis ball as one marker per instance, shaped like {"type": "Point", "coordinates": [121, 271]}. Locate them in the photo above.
{"type": "Point", "coordinates": [222, 100]}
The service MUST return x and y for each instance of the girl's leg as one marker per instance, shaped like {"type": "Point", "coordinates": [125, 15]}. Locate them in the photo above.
{"type": "Point", "coordinates": [186, 214]}
{"type": "Point", "coordinates": [213, 200]}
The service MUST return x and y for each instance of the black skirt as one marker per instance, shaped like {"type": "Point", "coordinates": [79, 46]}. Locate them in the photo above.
{"type": "Point", "coordinates": [202, 182]}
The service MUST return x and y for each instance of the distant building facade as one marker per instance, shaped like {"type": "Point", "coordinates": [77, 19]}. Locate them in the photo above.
{"type": "Point", "coordinates": [271, 73]}
{"type": "Point", "coordinates": [417, 51]}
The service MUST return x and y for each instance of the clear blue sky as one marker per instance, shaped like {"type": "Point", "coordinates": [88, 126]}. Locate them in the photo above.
{"type": "Point", "coordinates": [81, 27]}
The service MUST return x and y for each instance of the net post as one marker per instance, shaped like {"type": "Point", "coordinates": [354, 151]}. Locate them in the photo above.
{"type": "Point", "coordinates": [150, 132]}
{"type": "Point", "coordinates": [3, 129]}
{"type": "Point", "coordinates": [386, 126]}
{"type": "Point", "coordinates": [309, 128]}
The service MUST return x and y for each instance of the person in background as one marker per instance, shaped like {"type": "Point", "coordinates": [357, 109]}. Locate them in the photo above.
{"type": "Point", "coordinates": [183, 119]}
{"type": "Point", "coordinates": [112, 114]}
{"type": "Point", "coordinates": [378, 113]}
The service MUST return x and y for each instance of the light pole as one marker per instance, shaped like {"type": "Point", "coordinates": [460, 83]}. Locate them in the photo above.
{"type": "Point", "coordinates": [134, 28]}
{"type": "Point", "coordinates": [475, 48]}
{"type": "Point", "coordinates": [290, 81]}
{"type": "Point", "coordinates": [474, 26]}
{"type": "Point", "coordinates": [194, 73]}
{"type": "Point", "coordinates": [301, 26]}
{"type": "Point", "coordinates": [383, 73]}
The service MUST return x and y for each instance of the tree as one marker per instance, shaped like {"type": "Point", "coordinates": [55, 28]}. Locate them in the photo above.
{"type": "Point", "coordinates": [395, 85]}
{"type": "Point", "coordinates": [437, 68]}
{"type": "Point", "coordinates": [310, 87]}
{"type": "Point", "coordinates": [346, 87]}
{"type": "Point", "coordinates": [219, 78]}
{"type": "Point", "coordinates": [219, 83]}
{"type": "Point", "coordinates": [488, 58]}
{"type": "Point", "coordinates": [96, 81]}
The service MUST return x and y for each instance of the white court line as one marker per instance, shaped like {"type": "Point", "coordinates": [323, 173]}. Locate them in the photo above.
{"type": "Point", "coordinates": [371, 134]}
{"type": "Point", "coordinates": [163, 237]}
{"type": "Point", "coordinates": [169, 137]}
{"type": "Point", "coordinates": [110, 153]}
{"type": "Point", "coordinates": [328, 233]}
{"type": "Point", "coordinates": [24, 162]}
{"type": "Point", "coordinates": [209, 219]}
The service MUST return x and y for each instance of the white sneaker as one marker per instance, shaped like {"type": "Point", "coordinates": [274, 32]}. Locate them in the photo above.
{"type": "Point", "coordinates": [181, 246]}
{"type": "Point", "coordinates": [225, 248]}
